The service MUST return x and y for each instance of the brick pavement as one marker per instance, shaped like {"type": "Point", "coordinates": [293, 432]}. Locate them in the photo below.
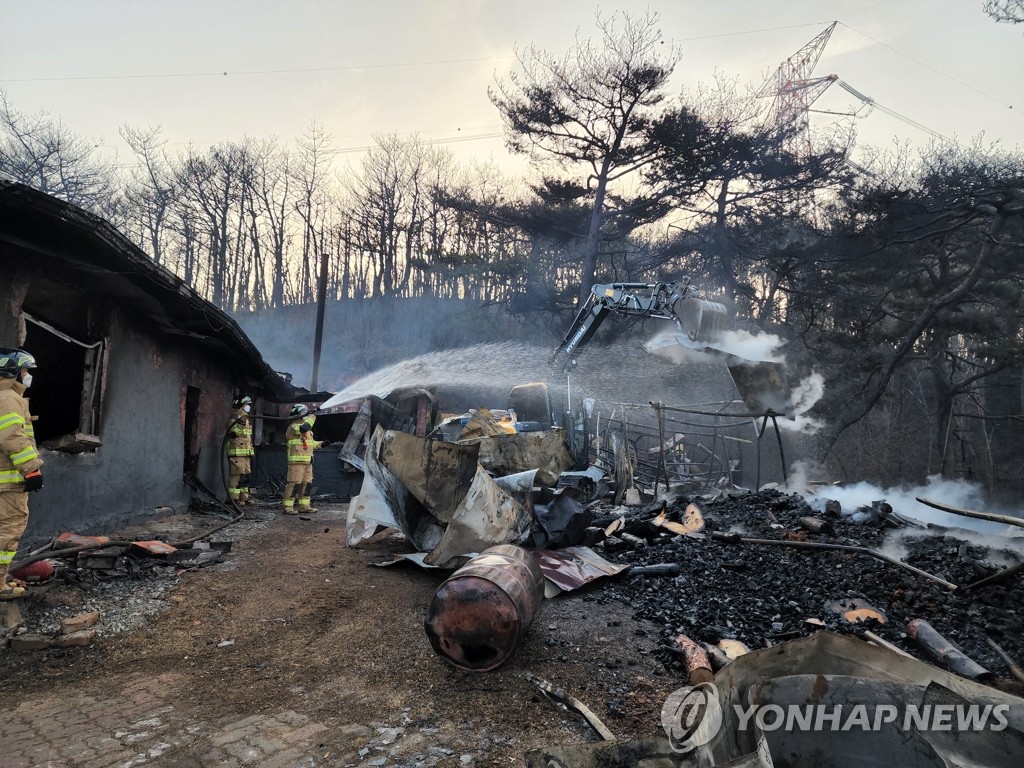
{"type": "Point", "coordinates": [134, 726]}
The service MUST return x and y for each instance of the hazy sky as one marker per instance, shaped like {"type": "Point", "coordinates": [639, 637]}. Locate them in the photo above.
{"type": "Point", "coordinates": [365, 68]}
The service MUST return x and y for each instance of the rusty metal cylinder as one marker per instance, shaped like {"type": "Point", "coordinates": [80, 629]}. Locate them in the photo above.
{"type": "Point", "coordinates": [480, 613]}
{"type": "Point", "coordinates": [945, 652]}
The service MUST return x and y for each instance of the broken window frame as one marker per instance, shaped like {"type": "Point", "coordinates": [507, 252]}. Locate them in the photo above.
{"type": "Point", "coordinates": [87, 435]}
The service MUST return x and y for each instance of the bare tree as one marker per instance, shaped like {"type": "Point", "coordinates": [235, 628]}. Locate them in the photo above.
{"type": "Point", "coordinates": [211, 185]}
{"type": "Point", "coordinates": [1006, 11]}
{"type": "Point", "coordinates": [383, 203]}
{"type": "Point", "coordinates": [150, 189]}
{"type": "Point", "coordinates": [269, 187]}
{"type": "Point", "coordinates": [316, 151]}
{"type": "Point", "coordinates": [42, 152]}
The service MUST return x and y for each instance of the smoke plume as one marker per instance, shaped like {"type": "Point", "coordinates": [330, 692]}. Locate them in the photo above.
{"type": "Point", "coordinates": [678, 347]}
{"type": "Point", "coordinates": [956, 493]}
{"type": "Point", "coordinates": [805, 395]}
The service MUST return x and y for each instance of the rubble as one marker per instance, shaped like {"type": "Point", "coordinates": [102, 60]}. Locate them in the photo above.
{"type": "Point", "coordinates": [750, 569]}
{"type": "Point", "coordinates": [572, 702]}
{"type": "Point", "coordinates": [847, 677]}
{"type": "Point", "coordinates": [763, 595]}
{"type": "Point", "coordinates": [719, 577]}
{"type": "Point", "coordinates": [126, 587]}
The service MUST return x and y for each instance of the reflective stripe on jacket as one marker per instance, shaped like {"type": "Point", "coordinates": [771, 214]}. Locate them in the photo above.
{"type": "Point", "coordinates": [301, 446]}
{"type": "Point", "coordinates": [18, 454]}
{"type": "Point", "coordinates": [240, 435]}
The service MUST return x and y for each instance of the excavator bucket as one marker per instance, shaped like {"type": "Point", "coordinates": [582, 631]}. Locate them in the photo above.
{"type": "Point", "coordinates": [703, 321]}
{"type": "Point", "coordinates": [762, 386]}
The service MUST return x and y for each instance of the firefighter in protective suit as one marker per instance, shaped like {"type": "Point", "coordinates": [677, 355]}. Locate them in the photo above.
{"type": "Point", "coordinates": [301, 445]}
{"type": "Point", "coordinates": [240, 451]}
{"type": "Point", "coordinates": [19, 459]}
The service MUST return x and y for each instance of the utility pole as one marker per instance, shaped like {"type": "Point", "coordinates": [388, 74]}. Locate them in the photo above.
{"type": "Point", "coordinates": [318, 338]}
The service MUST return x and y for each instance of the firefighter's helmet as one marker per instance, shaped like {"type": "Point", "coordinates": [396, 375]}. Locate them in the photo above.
{"type": "Point", "coordinates": [14, 360]}
{"type": "Point", "coordinates": [299, 410]}
{"type": "Point", "coordinates": [242, 401]}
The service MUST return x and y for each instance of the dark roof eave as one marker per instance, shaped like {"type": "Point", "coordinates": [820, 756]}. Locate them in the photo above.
{"type": "Point", "coordinates": [182, 311]}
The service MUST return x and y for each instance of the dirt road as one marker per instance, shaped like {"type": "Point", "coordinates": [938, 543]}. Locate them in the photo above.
{"type": "Point", "coordinates": [296, 652]}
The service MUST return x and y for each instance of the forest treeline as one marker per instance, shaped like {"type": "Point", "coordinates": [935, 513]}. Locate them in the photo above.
{"type": "Point", "coordinates": [898, 276]}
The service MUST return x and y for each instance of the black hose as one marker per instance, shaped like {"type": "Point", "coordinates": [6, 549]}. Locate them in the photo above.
{"type": "Point", "coordinates": [236, 512]}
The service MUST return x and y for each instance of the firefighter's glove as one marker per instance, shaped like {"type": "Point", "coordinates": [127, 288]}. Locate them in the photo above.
{"type": "Point", "coordinates": [33, 481]}
{"type": "Point", "coordinates": [305, 428]}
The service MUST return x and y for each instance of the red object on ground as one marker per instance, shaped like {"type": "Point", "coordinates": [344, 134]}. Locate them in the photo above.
{"type": "Point", "coordinates": [154, 547]}
{"type": "Point", "coordinates": [41, 570]}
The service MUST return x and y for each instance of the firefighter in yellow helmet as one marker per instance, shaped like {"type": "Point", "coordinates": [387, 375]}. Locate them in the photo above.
{"type": "Point", "coordinates": [240, 450]}
{"type": "Point", "coordinates": [301, 445]}
{"type": "Point", "coordinates": [19, 459]}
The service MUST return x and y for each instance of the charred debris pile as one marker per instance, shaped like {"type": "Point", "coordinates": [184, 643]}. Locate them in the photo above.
{"type": "Point", "coordinates": [721, 570]}
{"type": "Point", "coordinates": [718, 585]}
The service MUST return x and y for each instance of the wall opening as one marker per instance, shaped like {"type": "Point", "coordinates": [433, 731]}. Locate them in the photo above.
{"type": "Point", "coordinates": [66, 387]}
{"type": "Point", "coordinates": [191, 461]}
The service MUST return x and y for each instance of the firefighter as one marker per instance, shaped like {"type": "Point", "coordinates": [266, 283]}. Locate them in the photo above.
{"type": "Point", "coordinates": [301, 445]}
{"type": "Point", "coordinates": [19, 459]}
{"type": "Point", "coordinates": [240, 451]}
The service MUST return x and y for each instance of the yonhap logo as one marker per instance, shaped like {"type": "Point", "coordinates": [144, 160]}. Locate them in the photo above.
{"type": "Point", "coordinates": [691, 716]}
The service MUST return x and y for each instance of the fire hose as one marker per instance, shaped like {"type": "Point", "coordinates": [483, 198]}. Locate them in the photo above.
{"type": "Point", "coordinates": [45, 552]}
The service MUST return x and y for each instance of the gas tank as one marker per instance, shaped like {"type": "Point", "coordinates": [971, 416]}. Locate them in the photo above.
{"type": "Point", "coordinates": [481, 612]}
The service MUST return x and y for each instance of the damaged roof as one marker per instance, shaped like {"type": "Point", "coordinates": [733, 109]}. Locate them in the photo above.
{"type": "Point", "coordinates": [90, 252]}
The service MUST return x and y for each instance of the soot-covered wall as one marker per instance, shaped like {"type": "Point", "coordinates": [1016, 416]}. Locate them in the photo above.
{"type": "Point", "coordinates": [137, 473]}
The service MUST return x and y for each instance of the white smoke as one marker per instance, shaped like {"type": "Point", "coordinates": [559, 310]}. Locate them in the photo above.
{"type": "Point", "coordinates": [758, 348]}
{"type": "Point", "coordinates": [678, 347]}
{"type": "Point", "coordinates": [896, 544]}
{"type": "Point", "coordinates": [805, 395]}
{"type": "Point", "coordinates": [903, 500]}
{"type": "Point", "coordinates": [798, 479]}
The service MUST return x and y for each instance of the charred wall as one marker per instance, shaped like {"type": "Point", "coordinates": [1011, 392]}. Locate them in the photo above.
{"type": "Point", "coordinates": [146, 412]}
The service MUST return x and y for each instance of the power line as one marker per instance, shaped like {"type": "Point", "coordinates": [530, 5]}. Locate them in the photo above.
{"type": "Point", "coordinates": [747, 32]}
{"type": "Point", "coordinates": [467, 137]}
{"type": "Point", "coordinates": [306, 70]}
{"type": "Point", "coordinates": [252, 71]}
{"type": "Point", "coordinates": [929, 66]}
{"type": "Point", "coordinates": [458, 139]}
{"type": "Point", "coordinates": [367, 148]}
{"type": "Point", "coordinates": [891, 112]}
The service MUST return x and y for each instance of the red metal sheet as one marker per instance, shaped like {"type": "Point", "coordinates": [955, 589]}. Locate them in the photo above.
{"type": "Point", "coordinates": [154, 547]}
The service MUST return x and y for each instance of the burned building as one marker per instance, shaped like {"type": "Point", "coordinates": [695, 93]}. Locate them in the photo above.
{"type": "Point", "coordinates": [136, 371]}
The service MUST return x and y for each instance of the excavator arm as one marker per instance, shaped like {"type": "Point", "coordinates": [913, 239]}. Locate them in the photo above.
{"type": "Point", "coordinates": [701, 320]}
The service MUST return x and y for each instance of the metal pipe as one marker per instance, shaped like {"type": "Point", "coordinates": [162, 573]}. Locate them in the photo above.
{"type": "Point", "coordinates": [1014, 668]}
{"type": "Point", "coordinates": [319, 335]}
{"type": "Point", "coordinates": [995, 578]}
{"type": "Point", "coordinates": [943, 652]}
{"type": "Point", "coordinates": [990, 516]}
